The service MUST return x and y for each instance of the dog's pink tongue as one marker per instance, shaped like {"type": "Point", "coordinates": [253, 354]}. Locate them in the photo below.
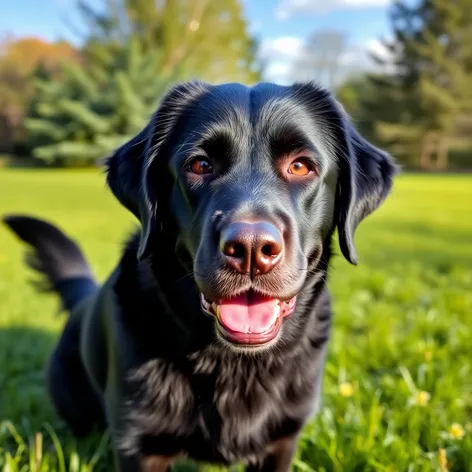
{"type": "Point", "coordinates": [254, 314]}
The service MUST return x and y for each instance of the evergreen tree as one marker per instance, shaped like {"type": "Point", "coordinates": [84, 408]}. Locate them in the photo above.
{"type": "Point", "coordinates": [90, 112]}
{"type": "Point", "coordinates": [428, 89]}
{"type": "Point", "coordinates": [18, 61]}
{"type": "Point", "coordinates": [210, 37]}
{"type": "Point", "coordinates": [134, 50]}
{"type": "Point", "coordinates": [393, 107]}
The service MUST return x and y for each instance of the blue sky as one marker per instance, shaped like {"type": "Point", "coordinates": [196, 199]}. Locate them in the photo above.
{"type": "Point", "coordinates": [281, 25]}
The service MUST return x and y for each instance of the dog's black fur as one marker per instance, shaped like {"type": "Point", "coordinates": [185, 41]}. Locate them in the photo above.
{"type": "Point", "coordinates": [138, 354]}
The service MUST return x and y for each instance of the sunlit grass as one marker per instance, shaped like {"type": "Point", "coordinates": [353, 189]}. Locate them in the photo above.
{"type": "Point", "coordinates": [398, 383]}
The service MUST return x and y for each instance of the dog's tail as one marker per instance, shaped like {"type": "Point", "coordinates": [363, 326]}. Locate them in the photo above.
{"type": "Point", "coordinates": [57, 257]}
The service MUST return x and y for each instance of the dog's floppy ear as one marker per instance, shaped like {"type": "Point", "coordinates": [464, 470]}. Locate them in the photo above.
{"type": "Point", "coordinates": [128, 168]}
{"type": "Point", "coordinates": [365, 172]}
{"type": "Point", "coordinates": [124, 176]}
{"type": "Point", "coordinates": [365, 179]}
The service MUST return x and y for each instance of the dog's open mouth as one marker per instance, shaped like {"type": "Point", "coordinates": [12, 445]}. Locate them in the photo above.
{"type": "Point", "coordinates": [249, 318]}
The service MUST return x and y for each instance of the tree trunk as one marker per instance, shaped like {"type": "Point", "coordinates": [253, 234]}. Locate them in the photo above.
{"type": "Point", "coordinates": [443, 148]}
{"type": "Point", "coordinates": [425, 157]}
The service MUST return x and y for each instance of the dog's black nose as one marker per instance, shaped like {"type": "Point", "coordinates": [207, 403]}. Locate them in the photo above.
{"type": "Point", "coordinates": [252, 248]}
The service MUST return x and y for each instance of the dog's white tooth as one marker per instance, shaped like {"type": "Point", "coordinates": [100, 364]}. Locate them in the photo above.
{"type": "Point", "coordinates": [278, 310]}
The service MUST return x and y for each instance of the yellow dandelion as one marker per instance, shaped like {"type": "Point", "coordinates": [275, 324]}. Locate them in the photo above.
{"type": "Point", "coordinates": [468, 426]}
{"type": "Point", "coordinates": [442, 460]}
{"type": "Point", "coordinates": [428, 355]}
{"type": "Point", "coordinates": [346, 389]}
{"type": "Point", "coordinates": [422, 398]}
{"type": "Point", "coordinates": [456, 431]}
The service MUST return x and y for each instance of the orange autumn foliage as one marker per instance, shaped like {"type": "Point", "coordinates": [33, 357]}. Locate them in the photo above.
{"type": "Point", "coordinates": [19, 59]}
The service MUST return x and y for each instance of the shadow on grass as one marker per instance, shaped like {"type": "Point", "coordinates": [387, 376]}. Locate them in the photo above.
{"type": "Point", "coordinates": [26, 410]}
{"type": "Point", "coordinates": [23, 355]}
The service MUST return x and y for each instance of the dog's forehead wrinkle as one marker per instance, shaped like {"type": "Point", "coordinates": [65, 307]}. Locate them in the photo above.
{"type": "Point", "coordinates": [324, 141]}
{"type": "Point", "coordinates": [278, 108]}
{"type": "Point", "coordinates": [232, 132]}
{"type": "Point", "coordinates": [229, 125]}
{"type": "Point", "coordinates": [321, 118]}
{"type": "Point", "coordinates": [282, 114]}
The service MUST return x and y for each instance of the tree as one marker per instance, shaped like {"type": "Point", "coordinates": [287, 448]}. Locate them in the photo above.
{"type": "Point", "coordinates": [211, 38]}
{"type": "Point", "coordinates": [445, 78]}
{"type": "Point", "coordinates": [419, 103]}
{"type": "Point", "coordinates": [90, 112]}
{"type": "Point", "coordinates": [133, 51]}
{"type": "Point", "coordinates": [18, 61]}
{"type": "Point", "coordinates": [322, 58]}
{"type": "Point", "coordinates": [352, 94]}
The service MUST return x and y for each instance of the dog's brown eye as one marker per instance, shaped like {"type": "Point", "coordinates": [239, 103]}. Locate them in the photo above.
{"type": "Point", "coordinates": [300, 167]}
{"type": "Point", "coordinates": [201, 167]}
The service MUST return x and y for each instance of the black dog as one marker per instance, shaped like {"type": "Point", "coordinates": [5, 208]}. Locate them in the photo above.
{"type": "Point", "coordinates": [209, 338]}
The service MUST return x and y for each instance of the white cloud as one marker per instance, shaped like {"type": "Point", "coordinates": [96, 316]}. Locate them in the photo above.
{"type": "Point", "coordinates": [377, 47]}
{"type": "Point", "coordinates": [278, 72]}
{"type": "Point", "coordinates": [288, 8]}
{"type": "Point", "coordinates": [280, 54]}
{"type": "Point", "coordinates": [284, 46]}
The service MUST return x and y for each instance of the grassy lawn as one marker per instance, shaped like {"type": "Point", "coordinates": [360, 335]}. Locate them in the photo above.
{"type": "Point", "coordinates": [398, 384]}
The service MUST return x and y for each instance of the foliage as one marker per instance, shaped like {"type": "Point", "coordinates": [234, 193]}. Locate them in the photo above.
{"type": "Point", "coordinates": [398, 373]}
{"type": "Point", "coordinates": [19, 59]}
{"type": "Point", "coordinates": [211, 38]}
{"type": "Point", "coordinates": [425, 87]}
{"type": "Point", "coordinates": [90, 112]}
{"type": "Point", "coordinates": [352, 95]}
{"type": "Point", "coordinates": [444, 80]}
{"type": "Point", "coordinates": [321, 58]}
{"type": "Point", "coordinates": [133, 51]}
{"type": "Point", "coordinates": [369, 104]}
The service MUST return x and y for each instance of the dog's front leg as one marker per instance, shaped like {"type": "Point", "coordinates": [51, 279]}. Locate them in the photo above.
{"type": "Point", "coordinates": [278, 459]}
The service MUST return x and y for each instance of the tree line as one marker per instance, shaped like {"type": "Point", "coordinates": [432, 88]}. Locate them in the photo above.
{"type": "Point", "coordinates": [65, 105]}
{"type": "Point", "coordinates": [418, 102]}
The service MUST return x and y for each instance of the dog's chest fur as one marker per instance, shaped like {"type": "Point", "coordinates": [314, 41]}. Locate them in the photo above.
{"type": "Point", "coordinates": [225, 409]}
{"type": "Point", "coordinates": [215, 404]}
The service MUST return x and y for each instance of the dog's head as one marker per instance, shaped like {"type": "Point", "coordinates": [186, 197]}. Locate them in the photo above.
{"type": "Point", "coordinates": [254, 180]}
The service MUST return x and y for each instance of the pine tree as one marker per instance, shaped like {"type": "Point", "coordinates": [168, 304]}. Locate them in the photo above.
{"type": "Point", "coordinates": [445, 80]}
{"type": "Point", "coordinates": [392, 107]}
{"type": "Point", "coordinates": [418, 104]}
{"type": "Point", "coordinates": [134, 50]}
{"type": "Point", "coordinates": [89, 113]}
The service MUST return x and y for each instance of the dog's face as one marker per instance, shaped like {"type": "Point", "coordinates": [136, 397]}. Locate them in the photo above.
{"type": "Point", "coordinates": [255, 181]}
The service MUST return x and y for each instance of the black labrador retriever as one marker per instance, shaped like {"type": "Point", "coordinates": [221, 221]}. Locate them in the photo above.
{"type": "Point", "coordinates": [208, 339]}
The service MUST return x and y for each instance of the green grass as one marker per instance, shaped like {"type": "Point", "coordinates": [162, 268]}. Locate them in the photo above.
{"type": "Point", "coordinates": [403, 326]}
